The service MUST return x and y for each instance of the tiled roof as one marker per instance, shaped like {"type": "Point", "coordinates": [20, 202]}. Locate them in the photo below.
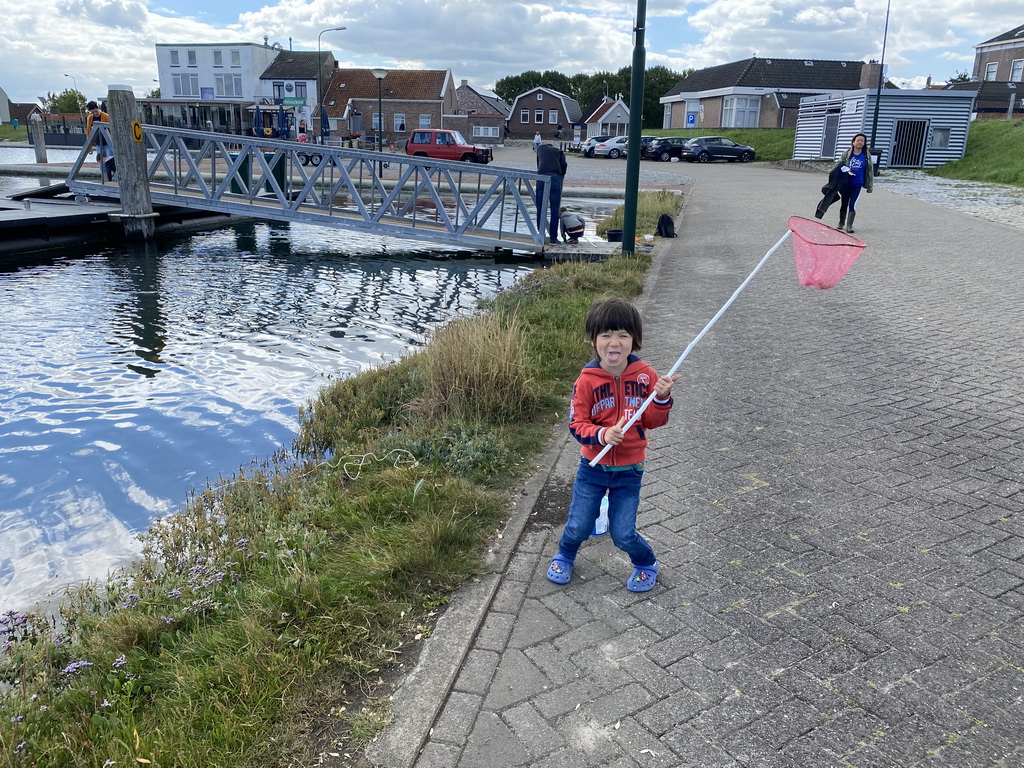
{"type": "Point", "coordinates": [570, 106]}
{"type": "Point", "coordinates": [774, 73]}
{"type": "Point", "coordinates": [1017, 33]}
{"type": "Point", "coordinates": [601, 110]}
{"type": "Point", "coordinates": [402, 84]}
{"type": "Point", "coordinates": [296, 65]}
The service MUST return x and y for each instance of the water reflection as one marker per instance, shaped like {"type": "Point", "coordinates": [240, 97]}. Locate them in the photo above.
{"type": "Point", "coordinates": [128, 376]}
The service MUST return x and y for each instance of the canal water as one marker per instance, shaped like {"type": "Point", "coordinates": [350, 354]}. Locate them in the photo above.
{"type": "Point", "coordinates": [128, 377]}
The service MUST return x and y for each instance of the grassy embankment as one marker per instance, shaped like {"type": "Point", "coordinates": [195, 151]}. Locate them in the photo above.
{"type": "Point", "coordinates": [280, 592]}
{"type": "Point", "coordinates": [9, 133]}
{"type": "Point", "coordinates": [995, 154]}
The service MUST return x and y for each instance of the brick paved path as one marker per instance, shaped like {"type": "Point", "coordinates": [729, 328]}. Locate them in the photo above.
{"type": "Point", "coordinates": [836, 504]}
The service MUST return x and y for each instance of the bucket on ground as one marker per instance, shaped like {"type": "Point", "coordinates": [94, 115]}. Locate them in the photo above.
{"type": "Point", "coordinates": [614, 235]}
{"type": "Point", "coordinates": [822, 253]}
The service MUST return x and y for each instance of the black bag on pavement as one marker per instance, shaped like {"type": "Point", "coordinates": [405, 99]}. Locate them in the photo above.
{"type": "Point", "coordinates": [666, 226]}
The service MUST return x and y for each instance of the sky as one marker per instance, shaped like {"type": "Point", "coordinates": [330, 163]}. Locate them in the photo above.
{"type": "Point", "coordinates": [50, 45]}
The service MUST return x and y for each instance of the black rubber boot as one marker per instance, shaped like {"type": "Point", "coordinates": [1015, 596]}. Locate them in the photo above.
{"type": "Point", "coordinates": [842, 222]}
{"type": "Point", "coordinates": [849, 221]}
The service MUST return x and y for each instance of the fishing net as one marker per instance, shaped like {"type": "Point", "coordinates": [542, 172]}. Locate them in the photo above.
{"type": "Point", "coordinates": [823, 254]}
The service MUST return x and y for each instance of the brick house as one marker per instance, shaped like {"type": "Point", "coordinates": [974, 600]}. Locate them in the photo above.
{"type": "Point", "coordinates": [998, 77]}
{"type": "Point", "coordinates": [485, 115]}
{"type": "Point", "coordinates": [759, 93]}
{"type": "Point", "coordinates": [409, 99]}
{"type": "Point", "coordinates": [1001, 59]}
{"type": "Point", "coordinates": [542, 110]}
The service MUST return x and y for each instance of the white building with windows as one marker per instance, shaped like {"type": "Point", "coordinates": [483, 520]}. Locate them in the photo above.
{"type": "Point", "coordinates": [217, 85]}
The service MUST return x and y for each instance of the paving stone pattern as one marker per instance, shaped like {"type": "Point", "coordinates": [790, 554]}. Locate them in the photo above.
{"type": "Point", "coordinates": [836, 505]}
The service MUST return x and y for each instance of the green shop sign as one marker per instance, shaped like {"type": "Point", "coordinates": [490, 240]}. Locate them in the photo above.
{"type": "Point", "coordinates": [294, 101]}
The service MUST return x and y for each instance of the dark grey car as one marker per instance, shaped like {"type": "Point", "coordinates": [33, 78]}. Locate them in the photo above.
{"type": "Point", "coordinates": [704, 149]}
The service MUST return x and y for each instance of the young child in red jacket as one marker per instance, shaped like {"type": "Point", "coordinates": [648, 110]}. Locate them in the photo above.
{"type": "Point", "coordinates": [609, 390]}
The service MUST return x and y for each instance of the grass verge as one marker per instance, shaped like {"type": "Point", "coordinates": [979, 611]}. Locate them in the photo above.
{"type": "Point", "coordinates": [995, 154]}
{"type": "Point", "coordinates": [304, 576]}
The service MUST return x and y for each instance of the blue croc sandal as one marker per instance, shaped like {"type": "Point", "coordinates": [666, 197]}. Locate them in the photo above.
{"type": "Point", "coordinates": [560, 570]}
{"type": "Point", "coordinates": [644, 578]}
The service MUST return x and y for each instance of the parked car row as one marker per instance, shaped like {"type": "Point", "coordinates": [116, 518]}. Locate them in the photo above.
{"type": "Point", "coordinates": [702, 149]}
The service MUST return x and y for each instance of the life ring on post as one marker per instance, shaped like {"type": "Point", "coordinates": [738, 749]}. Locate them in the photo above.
{"type": "Point", "coordinates": [268, 132]}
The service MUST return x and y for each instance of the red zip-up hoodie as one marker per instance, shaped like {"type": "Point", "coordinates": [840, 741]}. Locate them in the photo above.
{"type": "Point", "coordinates": [599, 400]}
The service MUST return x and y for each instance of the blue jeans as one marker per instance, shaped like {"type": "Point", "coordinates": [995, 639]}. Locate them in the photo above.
{"type": "Point", "coordinates": [623, 500]}
{"type": "Point", "coordinates": [554, 203]}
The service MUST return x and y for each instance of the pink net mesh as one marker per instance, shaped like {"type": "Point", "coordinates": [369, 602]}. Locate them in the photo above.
{"type": "Point", "coordinates": [823, 254]}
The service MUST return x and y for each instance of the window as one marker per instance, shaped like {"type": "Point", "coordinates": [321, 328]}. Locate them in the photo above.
{"type": "Point", "coordinates": [228, 85]}
{"type": "Point", "coordinates": [376, 121]}
{"type": "Point", "coordinates": [185, 84]}
{"type": "Point", "coordinates": [300, 89]}
{"type": "Point", "coordinates": [1017, 70]}
{"type": "Point", "coordinates": [424, 121]}
{"type": "Point", "coordinates": [218, 58]}
{"type": "Point", "coordinates": [741, 111]}
{"type": "Point", "coordinates": [540, 97]}
{"type": "Point", "coordinates": [538, 116]}
{"type": "Point", "coordinates": [398, 121]}
{"type": "Point", "coordinates": [236, 58]}
{"type": "Point", "coordinates": [990, 70]}
{"type": "Point", "coordinates": [278, 87]}
{"type": "Point", "coordinates": [485, 131]}
{"type": "Point", "coordinates": [174, 59]}
{"type": "Point", "coordinates": [940, 138]}
{"type": "Point", "coordinates": [524, 116]}
{"type": "Point", "coordinates": [191, 58]}
{"type": "Point", "coordinates": [552, 116]}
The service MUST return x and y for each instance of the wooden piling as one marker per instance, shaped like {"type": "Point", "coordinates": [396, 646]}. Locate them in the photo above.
{"type": "Point", "coordinates": [38, 138]}
{"type": "Point", "coordinates": [130, 159]}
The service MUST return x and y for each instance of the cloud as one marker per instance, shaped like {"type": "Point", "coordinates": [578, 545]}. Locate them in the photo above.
{"type": "Point", "coordinates": [108, 41]}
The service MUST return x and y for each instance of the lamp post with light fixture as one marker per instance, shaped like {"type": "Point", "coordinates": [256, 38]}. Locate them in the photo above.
{"type": "Point", "coordinates": [380, 74]}
{"type": "Point", "coordinates": [78, 92]}
{"type": "Point", "coordinates": [319, 76]}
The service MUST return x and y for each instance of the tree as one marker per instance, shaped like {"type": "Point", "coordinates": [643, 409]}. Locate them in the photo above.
{"type": "Point", "coordinates": [68, 101]}
{"type": "Point", "coordinates": [154, 94]}
{"type": "Point", "coordinates": [960, 77]}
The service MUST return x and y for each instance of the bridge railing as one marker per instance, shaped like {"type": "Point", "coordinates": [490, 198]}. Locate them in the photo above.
{"type": "Point", "coordinates": [483, 206]}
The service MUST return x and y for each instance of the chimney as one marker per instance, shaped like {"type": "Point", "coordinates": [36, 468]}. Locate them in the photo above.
{"type": "Point", "coordinates": [928, 82]}
{"type": "Point", "coordinates": [869, 74]}
{"type": "Point", "coordinates": [465, 83]}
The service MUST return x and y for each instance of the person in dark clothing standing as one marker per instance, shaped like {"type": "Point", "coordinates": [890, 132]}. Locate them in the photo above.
{"type": "Point", "coordinates": [551, 161]}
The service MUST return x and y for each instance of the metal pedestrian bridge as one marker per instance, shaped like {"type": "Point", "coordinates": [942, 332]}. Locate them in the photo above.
{"type": "Point", "coordinates": [461, 204]}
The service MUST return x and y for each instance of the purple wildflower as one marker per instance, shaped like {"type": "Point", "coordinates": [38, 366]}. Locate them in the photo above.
{"type": "Point", "coordinates": [74, 666]}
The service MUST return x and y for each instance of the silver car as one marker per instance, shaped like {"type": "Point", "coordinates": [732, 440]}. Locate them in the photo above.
{"type": "Point", "coordinates": [613, 147]}
{"type": "Point", "coordinates": [587, 147]}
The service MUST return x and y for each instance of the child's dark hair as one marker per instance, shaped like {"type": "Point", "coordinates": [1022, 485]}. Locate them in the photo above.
{"type": "Point", "coordinates": [614, 315]}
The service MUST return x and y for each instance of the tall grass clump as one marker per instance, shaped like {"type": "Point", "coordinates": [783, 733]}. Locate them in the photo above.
{"type": "Point", "coordinates": [279, 594]}
{"type": "Point", "coordinates": [476, 369]}
{"type": "Point", "coordinates": [649, 207]}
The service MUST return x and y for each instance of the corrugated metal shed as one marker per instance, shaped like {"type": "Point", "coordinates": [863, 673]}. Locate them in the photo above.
{"type": "Point", "coordinates": [916, 129]}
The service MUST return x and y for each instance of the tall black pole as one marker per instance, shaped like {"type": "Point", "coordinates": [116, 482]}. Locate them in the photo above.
{"type": "Point", "coordinates": [636, 116]}
{"type": "Point", "coordinates": [881, 74]}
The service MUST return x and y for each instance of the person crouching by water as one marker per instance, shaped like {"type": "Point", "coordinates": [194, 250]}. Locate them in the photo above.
{"type": "Point", "coordinates": [104, 150]}
{"type": "Point", "coordinates": [572, 225]}
{"type": "Point", "coordinates": [609, 390]}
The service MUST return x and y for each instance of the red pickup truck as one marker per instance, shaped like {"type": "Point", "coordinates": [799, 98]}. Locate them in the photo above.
{"type": "Point", "coordinates": [446, 145]}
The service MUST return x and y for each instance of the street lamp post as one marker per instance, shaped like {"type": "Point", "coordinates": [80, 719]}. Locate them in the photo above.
{"type": "Point", "coordinates": [319, 76]}
{"type": "Point", "coordinates": [75, 83]}
{"type": "Point", "coordinates": [380, 74]}
{"type": "Point", "coordinates": [878, 90]}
